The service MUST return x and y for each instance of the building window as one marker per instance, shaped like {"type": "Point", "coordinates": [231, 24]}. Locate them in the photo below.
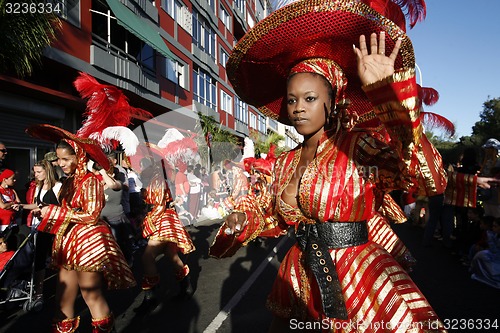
{"type": "Point", "coordinates": [70, 11]}
{"type": "Point", "coordinates": [273, 124]}
{"type": "Point", "coordinates": [250, 20]}
{"type": "Point", "coordinates": [226, 102]}
{"type": "Point", "coordinates": [179, 13]}
{"type": "Point", "coordinates": [203, 35]}
{"type": "Point", "coordinates": [204, 89]}
{"type": "Point", "coordinates": [225, 17]}
{"type": "Point", "coordinates": [240, 110]}
{"type": "Point", "coordinates": [224, 56]}
{"type": "Point", "coordinates": [176, 72]}
{"type": "Point", "coordinates": [146, 55]}
{"type": "Point", "coordinates": [262, 124]}
{"type": "Point", "coordinates": [211, 3]}
{"type": "Point", "coordinates": [173, 8]}
{"type": "Point", "coordinates": [107, 32]}
{"type": "Point", "coordinates": [240, 4]}
{"type": "Point", "coordinates": [253, 120]}
{"type": "Point", "coordinates": [289, 142]}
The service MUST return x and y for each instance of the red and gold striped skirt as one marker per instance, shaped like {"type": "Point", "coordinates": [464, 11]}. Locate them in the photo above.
{"type": "Point", "coordinates": [167, 228]}
{"type": "Point", "coordinates": [92, 248]}
{"type": "Point", "coordinates": [378, 293]}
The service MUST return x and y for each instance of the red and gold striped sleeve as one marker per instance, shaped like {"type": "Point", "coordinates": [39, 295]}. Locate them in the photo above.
{"type": "Point", "coordinates": [86, 206]}
{"type": "Point", "coordinates": [395, 101]}
{"type": "Point", "coordinates": [461, 190]}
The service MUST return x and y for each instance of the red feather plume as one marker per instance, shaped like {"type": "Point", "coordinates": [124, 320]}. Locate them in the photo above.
{"type": "Point", "coordinates": [106, 106]}
{"type": "Point", "coordinates": [429, 96]}
{"type": "Point", "coordinates": [249, 162]}
{"type": "Point", "coordinates": [415, 10]}
{"type": "Point", "coordinates": [393, 10]}
{"type": "Point", "coordinates": [180, 152]}
{"type": "Point", "coordinates": [434, 119]}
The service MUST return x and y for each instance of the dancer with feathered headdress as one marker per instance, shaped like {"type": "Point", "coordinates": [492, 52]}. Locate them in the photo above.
{"type": "Point", "coordinates": [341, 72]}
{"type": "Point", "coordinates": [161, 226]}
{"type": "Point", "coordinates": [84, 252]}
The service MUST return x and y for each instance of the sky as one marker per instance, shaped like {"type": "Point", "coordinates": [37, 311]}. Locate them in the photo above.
{"type": "Point", "coordinates": [457, 48]}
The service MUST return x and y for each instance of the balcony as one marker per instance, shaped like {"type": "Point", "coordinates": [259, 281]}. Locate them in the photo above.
{"type": "Point", "coordinates": [198, 107]}
{"type": "Point", "coordinates": [241, 127]}
{"type": "Point", "coordinates": [118, 63]}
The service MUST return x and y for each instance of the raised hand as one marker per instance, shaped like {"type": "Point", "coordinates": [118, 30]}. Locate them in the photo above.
{"type": "Point", "coordinates": [375, 65]}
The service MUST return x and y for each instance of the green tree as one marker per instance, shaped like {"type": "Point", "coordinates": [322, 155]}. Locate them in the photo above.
{"type": "Point", "coordinates": [224, 145]}
{"type": "Point", "coordinates": [262, 146]}
{"type": "Point", "coordinates": [489, 124]}
{"type": "Point", "coordinates": [24, 36]}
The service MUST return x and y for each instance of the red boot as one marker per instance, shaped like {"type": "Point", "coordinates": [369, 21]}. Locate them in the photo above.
{"type": "Point", "coordinates": [103, 325]}
{"type": "Point", "coordinates": [150, 281]}
{"type": "Point", "coordinates": [69, 325]}
{"type": "Point", "coordinates": [149, 284]}
{"type": "Point", "coordinates": [186, 289]}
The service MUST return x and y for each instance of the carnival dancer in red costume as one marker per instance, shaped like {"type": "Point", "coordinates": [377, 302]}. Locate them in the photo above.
{"type": "Point", "coordinates": [163, 230]}
{"type": "Point", "coordinates": [84, 249]}
{"type": "Point", "coordinates": [358, 112]}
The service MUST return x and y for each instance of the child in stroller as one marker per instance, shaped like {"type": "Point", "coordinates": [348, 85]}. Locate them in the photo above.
{"type": "Point", "coordinates": [17, 267]}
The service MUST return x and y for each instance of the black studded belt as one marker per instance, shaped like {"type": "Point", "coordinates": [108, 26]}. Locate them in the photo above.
{"type": "Point", "coordinates": [315, 240]}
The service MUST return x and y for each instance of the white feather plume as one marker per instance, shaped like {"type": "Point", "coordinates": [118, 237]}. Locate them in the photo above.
{"type": "Point", "coordinates": [248, 149]}
{"type": "Point", "coordinates": [171, 135]}
{"type": "Point", "coordinates": [124, 135]}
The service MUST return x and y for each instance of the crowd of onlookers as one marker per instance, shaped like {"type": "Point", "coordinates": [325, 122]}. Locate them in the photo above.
{"type": "Point", "coordinates": [472, 234]}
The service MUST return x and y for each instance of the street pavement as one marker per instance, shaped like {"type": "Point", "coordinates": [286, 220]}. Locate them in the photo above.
{"type": "Point", "coordinates": [230, 293]}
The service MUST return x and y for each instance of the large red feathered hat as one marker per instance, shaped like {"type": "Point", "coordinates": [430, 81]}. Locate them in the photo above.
{"type": "Point", "coordinates": [178, 149]}
{"type": "Point", "coordinates": [316, 29]}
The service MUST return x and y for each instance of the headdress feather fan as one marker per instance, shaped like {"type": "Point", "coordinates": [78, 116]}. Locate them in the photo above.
{"type": "Point", "coordinates": [180, 151]}
{"type": "Point", "coordinates": [434, 119]}
{"type": "Point", "coordinates": [124, 135]}
{"type": "Point", "coordinates": [429, 96]}
{"type": "Point", "coordinates": [106, 106]}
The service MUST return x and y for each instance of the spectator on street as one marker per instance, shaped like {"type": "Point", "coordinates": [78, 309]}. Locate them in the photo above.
{"type": "Point", "coordinates": [135, 199]}
{"type": "Point", "coordinates": [9, 200]}
{"type": "Point", "coordinates": [181, 184]}
{"type": "Point", "coordinates": [121, 175]}
{"type": "Point", "coordinates": [51, 156]}
{"type": "Point", "coordinates": [485, 266]}
{"type": "Point", "coordinates": [485, 225]}
{"type": "Point", "coordinates": [113, 211]}
{"type": "Point", "coordinates": [194, 191]}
